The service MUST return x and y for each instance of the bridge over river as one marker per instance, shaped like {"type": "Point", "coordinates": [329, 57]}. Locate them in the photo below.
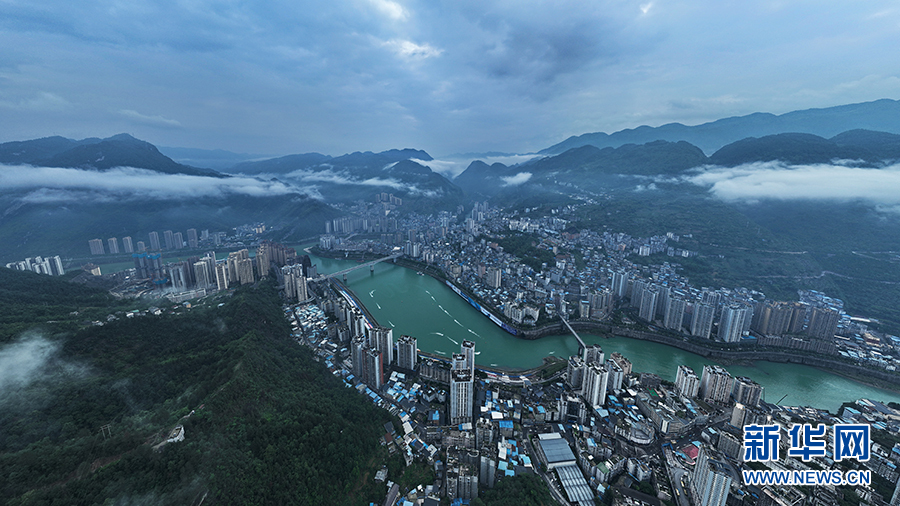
{"type": "Point", "coordinates": [581, 345]}
{"type": "Point", "coordinates": [323, 277]}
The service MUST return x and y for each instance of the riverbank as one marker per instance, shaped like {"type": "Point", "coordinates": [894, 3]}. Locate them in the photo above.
{"type": "Point", "coordinates": [712, 352]}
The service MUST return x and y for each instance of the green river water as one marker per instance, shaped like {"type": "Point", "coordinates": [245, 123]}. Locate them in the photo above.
{"type": "Point", "coordinates": [424, 307]}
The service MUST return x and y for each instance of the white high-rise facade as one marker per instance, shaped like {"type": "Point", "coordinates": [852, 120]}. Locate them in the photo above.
{"type": "Point", "coordinates": [686, 382]}
{"type": "Point", "coordinates": [596, 377]}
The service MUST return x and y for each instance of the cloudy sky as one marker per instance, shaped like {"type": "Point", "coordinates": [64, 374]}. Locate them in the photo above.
{"type": "Point", "coordinates": [281, 77]}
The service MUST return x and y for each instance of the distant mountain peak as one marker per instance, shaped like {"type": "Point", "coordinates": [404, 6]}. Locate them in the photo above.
{"type": "Point", "coordinates": [122, 150]}
{"type": "Point", "coordinates": [881, 115]}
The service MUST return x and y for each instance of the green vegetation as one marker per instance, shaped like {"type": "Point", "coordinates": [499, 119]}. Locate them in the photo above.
{"type": "Point", "coordinates": [30, 299]}
{"type": "Point", "coordinates": [524, 246]}
{"type": "Point", "coordinates": [521, 490]}
{"type": "Point", "coordinates": [264, 423]}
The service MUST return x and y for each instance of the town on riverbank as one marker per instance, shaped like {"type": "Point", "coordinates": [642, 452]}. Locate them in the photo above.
{"type": "Point", "coordinates": [602, 284]}
{"type": "Point", "coordinates": [591, 427]}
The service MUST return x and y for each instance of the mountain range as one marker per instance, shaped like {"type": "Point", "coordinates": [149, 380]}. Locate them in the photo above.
{"type": "Point", "coordinates": [71, 206]}
{"type": "Point", "coordinates": [879, 115]}
{"type": "Point", "coordinates": [591, 168]}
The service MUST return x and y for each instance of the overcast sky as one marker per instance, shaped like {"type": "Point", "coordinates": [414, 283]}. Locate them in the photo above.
{"type": "Point", "coordinates": [280, 77]}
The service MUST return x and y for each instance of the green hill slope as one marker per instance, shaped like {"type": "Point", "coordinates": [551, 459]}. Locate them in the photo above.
{"type": "Point", "coordinates": [264, 423]}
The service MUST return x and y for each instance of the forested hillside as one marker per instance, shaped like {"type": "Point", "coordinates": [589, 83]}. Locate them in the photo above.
{"type": "Point", "coordinates": [264, 423]}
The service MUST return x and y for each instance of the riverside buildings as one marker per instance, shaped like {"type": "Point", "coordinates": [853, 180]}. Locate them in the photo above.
{"type": "Point", "coordinates": [52, 266]}
{"type": "Point", "coordinates": [675, 441]}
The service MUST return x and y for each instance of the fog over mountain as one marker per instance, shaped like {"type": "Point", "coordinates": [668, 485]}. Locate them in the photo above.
{"type": "Point", "coordinates": [779, 181]}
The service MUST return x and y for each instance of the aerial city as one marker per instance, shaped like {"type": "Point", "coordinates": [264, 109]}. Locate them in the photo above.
{"type": "Point", "coordinates": [390, 252]}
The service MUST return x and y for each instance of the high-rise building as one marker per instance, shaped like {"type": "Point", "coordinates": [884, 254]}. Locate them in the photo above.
{"type": "Point", "coordinates": [773, 318]}
{"type": "Point", "coordinates": [648, 303]}
{"type": "Point", "coordinates": [113, 244]}
{"type": "Point", "coordinates": [169, 238]}
{"type": "Point", "coordinates": [245, 271]}
{"type": "Point", "coordinates": [798, 317]}
{"type": "Point", "coordinates": [637, 292]}
{"type": "Point", "coordinates": [702, 320]}
{"type": "Point", "coordinates": [357, 356]}
{"type": "Point", "coordinates": [177, 277]}
{"type": "Point", "coordinates": [141, 247]}
{"type": "Point", "coordinates": [715, 384]}
{"type": "Point", "coordinates": [462, 396]}
{"type": "Point", "coordinates": [575, 373]}
{"type": "Point", "coordinates": [56, 266]}
{"type": "Point", "coordinates": [374, 369]}
{"type": "Point", "coordinates": [178, 240]}
{"type": "Point", "coordinates": [593, 354]}
{"type": "Point", "coordinates": [622, 362]}
{"type": "Point", "coordinates": [674, 313]}
{"type": "Point", "coordinates": [263, 259]}
{"type": "Point", "coordinates": [686, 382]}
{"type": "Point", "coordinates": [222, 276]}
{"type": "Point", "coordinates": [129, 246]}
{"type": "Point", "coordinates": [407, 354]}
{"type": "Point", "coordinates": [662, 301]}
{"type": "Point", "coordinates": [822, 323]}
{"type": "Point", "coordinates": [96, 246]}
{"type": "Point", "coordinates": [302, 288]}
{"type": "Point", "coordinates": [492, 277]}
{"type": "Point", "coordinates": [233, 258]}
{"type": "Point", "coordinates": [382, 339]}
{"type": "Point", "coordinates": [619, 283]}
{"type": "Point", "coordinates": [596, 377]}
{"type": "Point", "coordinates": [731, 324]}
{"type": "Point", "coordinates": [193, 242]}
{"type": "Point", "coordinates": [468, 349]}
{"type": "Point", "coordinates": [601, 304]}
{"type": "Point", "coordinates": [458, 362]}
{"type": "Point", "coordinates": [154, 241]}
{"type": "Point", "coordinates": [584, 309]}
{"type": "Point", "coordinates": [746, 391]}
{"type": "Point", "coordinates": [616, 376]}
{"type": "Point", "coordinates": [201, 274]}
{"type": "Point", "coordinates": [711, 480]}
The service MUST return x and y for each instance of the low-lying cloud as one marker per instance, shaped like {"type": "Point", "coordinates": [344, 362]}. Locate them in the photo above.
{"type": "Point", "coordinates": [457, 164]}
{"type": "Point", "coordinates": [777, 181]}
{"type": "Point", "coordinates": [342, 178]}
{"type": "Point", "coordinates": [51, 184]}
{"type": "Point", "coordinates": [32, 360]}
{"type": "Point", "coordinates": [520, 178]}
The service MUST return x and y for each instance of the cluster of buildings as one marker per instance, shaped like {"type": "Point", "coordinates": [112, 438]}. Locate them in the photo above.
{"type": "Point", "coordinates": [590, 276]}
{"type": "Point", "coordinates": [600, 429]}
{"type": "Point", "coordinates": [192, 239]}
{"type": "Point", "coordinates": [629, 434]}
{"type": "Point", "coordinates": [198, 275]}
{"type": "Point", "coordinates": [52, 266]}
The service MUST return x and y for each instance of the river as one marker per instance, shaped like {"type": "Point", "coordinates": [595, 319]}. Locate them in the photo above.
{"type": "Point", "coordinates": [424, 307]}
